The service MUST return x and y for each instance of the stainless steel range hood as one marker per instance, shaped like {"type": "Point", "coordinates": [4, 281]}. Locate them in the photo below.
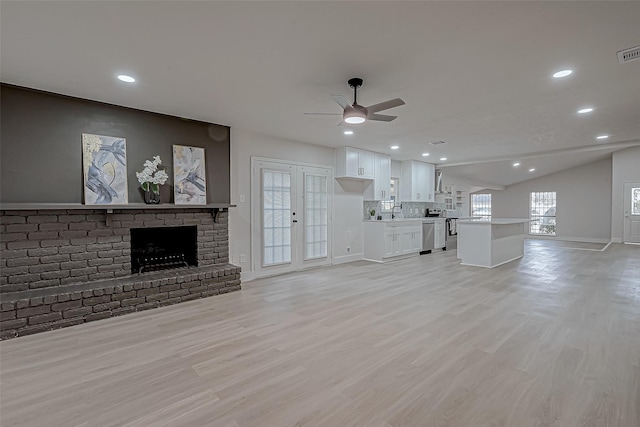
{"type": "Point", "coordinates": [438, 182]}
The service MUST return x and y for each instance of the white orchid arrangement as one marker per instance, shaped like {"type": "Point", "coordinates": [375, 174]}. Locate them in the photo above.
{"type": "Point", "coordinates": [151, 177]}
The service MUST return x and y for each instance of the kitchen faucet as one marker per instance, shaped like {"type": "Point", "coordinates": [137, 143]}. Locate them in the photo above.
{"type": "Point", "coordinates": [393, 210]}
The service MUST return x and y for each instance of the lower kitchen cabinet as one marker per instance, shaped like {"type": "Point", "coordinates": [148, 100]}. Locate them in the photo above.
{"type": "Point", "coordinates": [392, 241]}
{"type": "Point", "coordinates": [386, 239]}
{"type": "Point", "coordinates": [439, 236]}
{"type": "Point", "coordinates": [411, 238]}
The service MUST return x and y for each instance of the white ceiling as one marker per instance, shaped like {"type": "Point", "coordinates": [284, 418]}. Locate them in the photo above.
{"type": "Point", "coordinates": [474, 74]}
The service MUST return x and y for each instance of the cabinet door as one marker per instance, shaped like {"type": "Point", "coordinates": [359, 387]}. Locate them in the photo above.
{"type": "Point", "coordinates": [380, 188]}
{"type": "Point", "coordinates": [353, 162]}
{"type": "Point", "coordinates": [391, 241]}
{"type": "Point", "coordinates": [430, 178]}
{"type": "Point", "coordinates": [365, 162]}
{"type": "Point", "coordinates": [417, 238]}
{"type": "Point", "coordinates": [407, 239]}
{"type": "Point", "coordinates": [418, 177]}
{"type": "Point", "coordinates": [383, 177]}
{"type": "Point", "coordinates": [420, 184]}
{"type": "Point", "coordinates": [406, 178]}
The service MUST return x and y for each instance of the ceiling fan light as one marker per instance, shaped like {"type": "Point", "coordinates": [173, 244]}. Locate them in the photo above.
{"type": "Point", "coordinates": [354, 117]}
{"type": "Point", "coordinates": [354, 120]}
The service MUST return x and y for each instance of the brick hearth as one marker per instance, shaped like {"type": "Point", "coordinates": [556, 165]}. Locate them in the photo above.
{"type": "Point", "coordinates": [65, 267]}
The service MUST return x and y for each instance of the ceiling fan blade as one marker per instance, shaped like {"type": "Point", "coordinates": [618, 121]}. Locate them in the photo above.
{"type": "Point", "coordinates": [385, 105]}
{"type": "Point", "coordinates": [341, 100]}
{"type": "Point", "coordinates": [381, 117]}
{"type": "Point", "coordinates": [322, 114]}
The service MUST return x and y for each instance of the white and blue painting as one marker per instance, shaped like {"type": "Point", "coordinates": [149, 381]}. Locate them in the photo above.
{"type": "Point", "coordinates": [105, 170]}
{"type": "Point", "coordinates": [189, 180]}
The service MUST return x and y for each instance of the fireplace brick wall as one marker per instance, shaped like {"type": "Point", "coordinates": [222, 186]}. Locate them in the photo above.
{"type": "Point", "coordinates": [59, 268]}
{"type": "Point", "coordinates": [55, 248]}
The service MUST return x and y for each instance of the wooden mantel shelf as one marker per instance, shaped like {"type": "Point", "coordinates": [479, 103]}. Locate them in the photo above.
{"type": "Point", "coordinates": [216, 208]}
{"type": "Point", "coordinates": [80, 206]}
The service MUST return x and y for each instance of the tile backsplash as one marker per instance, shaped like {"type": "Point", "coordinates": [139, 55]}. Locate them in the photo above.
{"type": "Point", "coordinates": [409, 209]}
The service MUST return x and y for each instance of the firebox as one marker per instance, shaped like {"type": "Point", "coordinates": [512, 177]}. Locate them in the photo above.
{"type": "Point", "coordinates": [161, 248]}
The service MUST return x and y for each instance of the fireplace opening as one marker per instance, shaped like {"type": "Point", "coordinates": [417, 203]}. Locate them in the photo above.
{"type": "Point", "coordinates": [162, 248]}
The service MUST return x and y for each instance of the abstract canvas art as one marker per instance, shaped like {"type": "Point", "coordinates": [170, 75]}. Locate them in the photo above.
{"type": "Point", "coordinates": [189, 180]}
{"type": "Point", "coordinates": [105, 169]}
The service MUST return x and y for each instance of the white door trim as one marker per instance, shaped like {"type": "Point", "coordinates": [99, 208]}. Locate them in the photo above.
{"type": "Point", "coordinates": [255, 208]}
{"type": "Point", "coordinates": [628, 219]}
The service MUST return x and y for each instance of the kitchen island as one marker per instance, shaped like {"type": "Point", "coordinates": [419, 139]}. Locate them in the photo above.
{"type": "Point", "coordinates": [491, 242]}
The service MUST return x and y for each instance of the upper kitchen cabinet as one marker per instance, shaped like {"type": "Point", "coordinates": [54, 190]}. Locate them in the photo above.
{"type": "Point", "coordinates": [354, 163]}
{"type": "Point", "coordinates": [417, 182]}
{"type": "Point", "coordinates": [380, 188]}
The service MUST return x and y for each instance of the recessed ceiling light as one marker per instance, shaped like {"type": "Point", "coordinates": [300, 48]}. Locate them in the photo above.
{"type": "Point", "coordinates": [425, 154]}
{"type": "Point", "coordinates": [562, 73]}
{"type": "Point", "coordinates": [395, 147]}
{"type": "Point", "coordinates": [532, 170]}
{"type": "Point", "coordinates": [516, 164]}
{"type": "Point", "coordinates": [126, 78]}
{"type": "Point", "coordinates": [348, 132]}
{"type": "Point", "coordinates": [602, 136]}
{"type": "Point", "coordinates": [442, 159]}
{"type": "Point", "coordinates": [585, 110]}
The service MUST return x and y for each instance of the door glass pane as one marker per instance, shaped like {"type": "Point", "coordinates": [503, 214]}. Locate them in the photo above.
{"type": "Point", "coordinates": [316, 216]}
{"type": "Point", "coordinates": [635, 201]}
{"type": "Point", "coordinates": [276, 214]}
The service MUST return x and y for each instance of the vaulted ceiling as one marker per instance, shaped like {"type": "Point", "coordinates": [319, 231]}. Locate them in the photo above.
{"type": "Point", "coordinates": [476, 75]}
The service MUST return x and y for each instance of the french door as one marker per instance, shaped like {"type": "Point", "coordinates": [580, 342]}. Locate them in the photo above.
{"type": "Point", "coordinates": [291, 217]}
{"type": "Point", "coordinates": [631, 211]}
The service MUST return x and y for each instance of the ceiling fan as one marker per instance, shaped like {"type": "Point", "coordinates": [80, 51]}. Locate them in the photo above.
{"type": "Point", "coordinates": [356, 113]}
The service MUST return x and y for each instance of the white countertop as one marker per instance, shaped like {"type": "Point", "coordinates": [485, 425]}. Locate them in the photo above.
{"type": "Point", "coordinates": [494, 221]}
{"type": "Point", "coordinates": [396, 220]}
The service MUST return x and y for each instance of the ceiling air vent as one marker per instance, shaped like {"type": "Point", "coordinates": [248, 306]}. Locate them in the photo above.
{"type": "Point", "coordinates": [629, 55]}
{"type": "Point", "coordinates": [437, 142]}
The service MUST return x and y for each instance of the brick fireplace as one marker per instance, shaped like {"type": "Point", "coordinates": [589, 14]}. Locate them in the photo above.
{"type": "Point", "coordinates": [70, 266]}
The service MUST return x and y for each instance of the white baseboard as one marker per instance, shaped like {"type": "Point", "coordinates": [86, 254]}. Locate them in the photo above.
{"type": "Point", "coordinates": [246, 276]}
{"type": "Point", "coordinates": [348, 258]}
{"type": "Point", "coordinates": [570, 239]}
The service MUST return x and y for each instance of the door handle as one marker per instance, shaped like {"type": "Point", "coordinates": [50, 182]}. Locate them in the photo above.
{"type": "Point", "coordinates": [295, 220]}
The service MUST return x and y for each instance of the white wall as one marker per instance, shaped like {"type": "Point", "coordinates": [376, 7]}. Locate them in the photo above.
{"type": "Point", "coordinates": [583, 201]}
{"type": "Point", "coordinates": [347, 203]}
{"type": "Point", "coordinates": [626, 168]}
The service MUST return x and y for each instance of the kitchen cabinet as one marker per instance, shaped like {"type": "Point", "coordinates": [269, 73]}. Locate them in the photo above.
{"type": "Point", "coordinates": [380, 188]}
{"type": "Point", "coordinates": [417, 182]}
{"type": "Point", "coordinates": [390, 239]}
{"type": "Point", "coordinates": [439, 234]}
{"type": "Point", "coordinates": [449, 197]}
{"type": "Point", "coordinates": [411, 238]}
{"type": "Point", "coordinates": [354, 163]}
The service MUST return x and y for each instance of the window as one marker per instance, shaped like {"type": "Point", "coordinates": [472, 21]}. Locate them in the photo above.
{"type": "Point", "coordinates": [543, 213]}
{"type": "Point", "coordinates": [481, 205]}
{"type": "Point", "coordinates": [387, 205]}
{"type": "Point", "coordinates": [316, 216]}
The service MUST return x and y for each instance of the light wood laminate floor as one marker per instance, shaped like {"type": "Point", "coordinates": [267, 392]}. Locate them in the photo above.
{"type": "Point", "coordinates": [552, 339]}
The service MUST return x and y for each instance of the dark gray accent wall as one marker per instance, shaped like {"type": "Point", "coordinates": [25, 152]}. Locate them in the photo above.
{"type": "Point", "coordinates": [41, 146]}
